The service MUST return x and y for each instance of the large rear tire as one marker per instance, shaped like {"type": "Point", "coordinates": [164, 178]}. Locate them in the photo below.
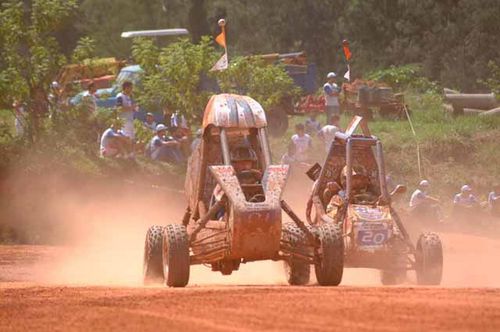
{"type": "Point", "coordinates": [429, 259]}
{"type": "Point", "coordinates": [330, 267]}
{"type": "Point", "coordinates": [152, 263]}
{"type": "Point", "coordinates": [176, 262]}
{"type": "Point", "coordinates": [297, 271]}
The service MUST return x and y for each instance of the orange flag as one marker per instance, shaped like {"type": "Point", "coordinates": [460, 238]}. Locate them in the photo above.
{"type": "Point", "coordinates": [347, 52]}
{"type": "Point", "coordinates": [221, 38]}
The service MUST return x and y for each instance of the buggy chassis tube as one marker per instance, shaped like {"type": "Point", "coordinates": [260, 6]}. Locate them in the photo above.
{"type": "Point", "coordinates": [206, 218]}
{"type": "Point", "coordinates": [381, 171]}
{"type": "Point", "coordinates": [300, 224]}
{"type": "Point", "coordinates": [225, 147]}
{"type": "Point", "coordinates": [265, 147]}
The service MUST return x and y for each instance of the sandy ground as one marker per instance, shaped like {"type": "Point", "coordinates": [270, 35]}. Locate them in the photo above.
{"type": "Point", "coordinates": [37, 293]}
{"type": "Point", "coordinates": [92, 281]}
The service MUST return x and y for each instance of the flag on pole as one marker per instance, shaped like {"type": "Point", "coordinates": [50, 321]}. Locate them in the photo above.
{"type": "Point", "coordinates": [347, 51]}
{"type": "Point", "coordinates": [221, 64]}
{"type": "Point", "coordinates": [221, 38]}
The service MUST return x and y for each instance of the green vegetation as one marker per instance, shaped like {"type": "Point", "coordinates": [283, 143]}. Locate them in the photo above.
{"type": "Point", "coordinates": [454, 151]}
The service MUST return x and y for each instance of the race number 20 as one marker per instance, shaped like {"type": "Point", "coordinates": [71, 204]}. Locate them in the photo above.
{"type": "Point", "coordinates": [372, 237]}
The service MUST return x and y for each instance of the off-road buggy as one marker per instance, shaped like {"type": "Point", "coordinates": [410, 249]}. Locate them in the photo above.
{"type": "Point", "coordinates": [350, 191]}
{"type": "Point", "coordinates": [230, 221]}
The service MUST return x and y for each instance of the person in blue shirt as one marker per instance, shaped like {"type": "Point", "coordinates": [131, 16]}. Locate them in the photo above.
{"type": "Point", "coordinates": [165, 148]}
{"type": "Point", "coordinates": [331, 93]}
{"type": "Point", "coordinates": [465, 205]}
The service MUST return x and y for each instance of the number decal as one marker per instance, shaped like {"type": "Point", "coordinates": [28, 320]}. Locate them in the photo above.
{"type": "Point", "coordinates": [372, 237]}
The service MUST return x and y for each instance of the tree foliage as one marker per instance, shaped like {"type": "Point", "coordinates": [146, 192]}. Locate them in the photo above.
{"type": "Point", "coordinates": [179, 77]}
{"type": "Point", "coordinates": [453, 40]}
{"type": "Point", "coordinates": [172, 75]}
{"type": "Point", "coordinates": [31, 55]}
{"type": "Point", "coordinates": [266, 83]}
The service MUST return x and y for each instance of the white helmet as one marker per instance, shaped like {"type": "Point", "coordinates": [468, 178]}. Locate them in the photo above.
{"type": "Point", "coordinates": [331, 75]}
{"type": "Point", "coordinates": [161, 127]}
{"type": "Point", "coordinates": [466, 188]}
{"type": "Point", "coordinates": [424, 183]}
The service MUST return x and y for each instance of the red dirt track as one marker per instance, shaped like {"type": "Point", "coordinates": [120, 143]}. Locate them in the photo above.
{"type": "Point", "coordinates": [26, 304]}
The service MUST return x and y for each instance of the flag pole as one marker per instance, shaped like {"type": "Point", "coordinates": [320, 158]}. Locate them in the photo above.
{"type": "Point", "coordinates": [222, 24]}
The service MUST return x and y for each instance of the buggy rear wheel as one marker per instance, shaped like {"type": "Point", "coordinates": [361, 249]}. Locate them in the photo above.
{"type": "Point", "coordinates": [330, 267]}
{"type": "Point", "coordinates": [297, 271]}
{"type": "Point", "coordinates": [152, 263]}
{"type": "Point", "coordinates": [429, 259]}
{"type": "Point", "coordinates": [176, 262]}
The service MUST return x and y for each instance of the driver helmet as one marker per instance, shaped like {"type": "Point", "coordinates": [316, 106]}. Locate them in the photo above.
{"type": "Point", "coordinates": [243, 153]}
{"type": "Point", "coordinates": [359, 174]}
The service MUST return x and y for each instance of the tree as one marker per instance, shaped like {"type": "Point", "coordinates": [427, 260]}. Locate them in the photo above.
{"type": "Point", "coordinates": [173, 75]}
{"type": "Point", "coordinates": [31, 55]}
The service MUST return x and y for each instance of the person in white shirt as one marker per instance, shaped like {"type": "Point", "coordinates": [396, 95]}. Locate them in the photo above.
{"type": "Point", "coordinates": [465, 198]}
{"type": "Point", "coordinates": [465, 205]}
{"type": "Point", "coordinates": [331, 92]}
{"type": "Point", "coordinates": [126, 108]}
{"type": "Point", "coordinates": [422, 205]}
{"type": "Point", "coordinates": [327, 133]}
{"type": "Point", "coordinates": [302, 142]}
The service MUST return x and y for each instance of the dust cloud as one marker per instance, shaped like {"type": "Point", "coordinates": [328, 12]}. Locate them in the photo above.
{"type": "Point", "coordinates": [99, 231]}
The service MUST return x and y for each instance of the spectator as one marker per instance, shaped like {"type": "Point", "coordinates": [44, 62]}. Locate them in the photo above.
{"type": "Point", "coordinates": [114, 143]}
{"type": "Point", "coordinates": [327, 133]}
{"type": "Point", "coordinates": [331, 92]}
{"type": "Point", "coordinates": [89, 98]}
{"type": "Point", "coordinates": [424, 205]}
{"type": "Point", "coordinates": [197, 140]}
{"type": "Point", "coordinates": [302, 142]}
{"type": "Point", "coordinates": [494, 201]}
{"type": "Point", "coordinates": [150, 122]}
{"type": "Point", "coordinates": [313, 126]}
{"type": "Point", "coordinates": [178, 120]}
{"type": "Point", "coordinates": [465, 205]}
{"type": "Point", "coordinates": [165, 148]}
{"type": "Point", "coordinates": [465, 198]}
{"type": "Point", "coordinates": [126, 108]}
{"type": "Point", "coordinates": [20, 117]}
{"type": "Point", "coordinates": [179, 134]}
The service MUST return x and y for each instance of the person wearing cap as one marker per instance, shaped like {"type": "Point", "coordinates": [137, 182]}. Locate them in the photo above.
{"type": "Point", "coordinates": [465, 198]}
{"type": "Point", "coordinates": [494, 201]}
{"type": "Point", "coordinates": [150, 122]}
{"type": "Point", "coordinates": [114, 143]}
{"type": "Point", "coordinates": [465, 204]}
{"type": "Point", "coordinates": [165, 148]}
{"type": "Point", "coordinates": [331, 92]}
{"type": "Point", "coordinates": [422, 204]}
